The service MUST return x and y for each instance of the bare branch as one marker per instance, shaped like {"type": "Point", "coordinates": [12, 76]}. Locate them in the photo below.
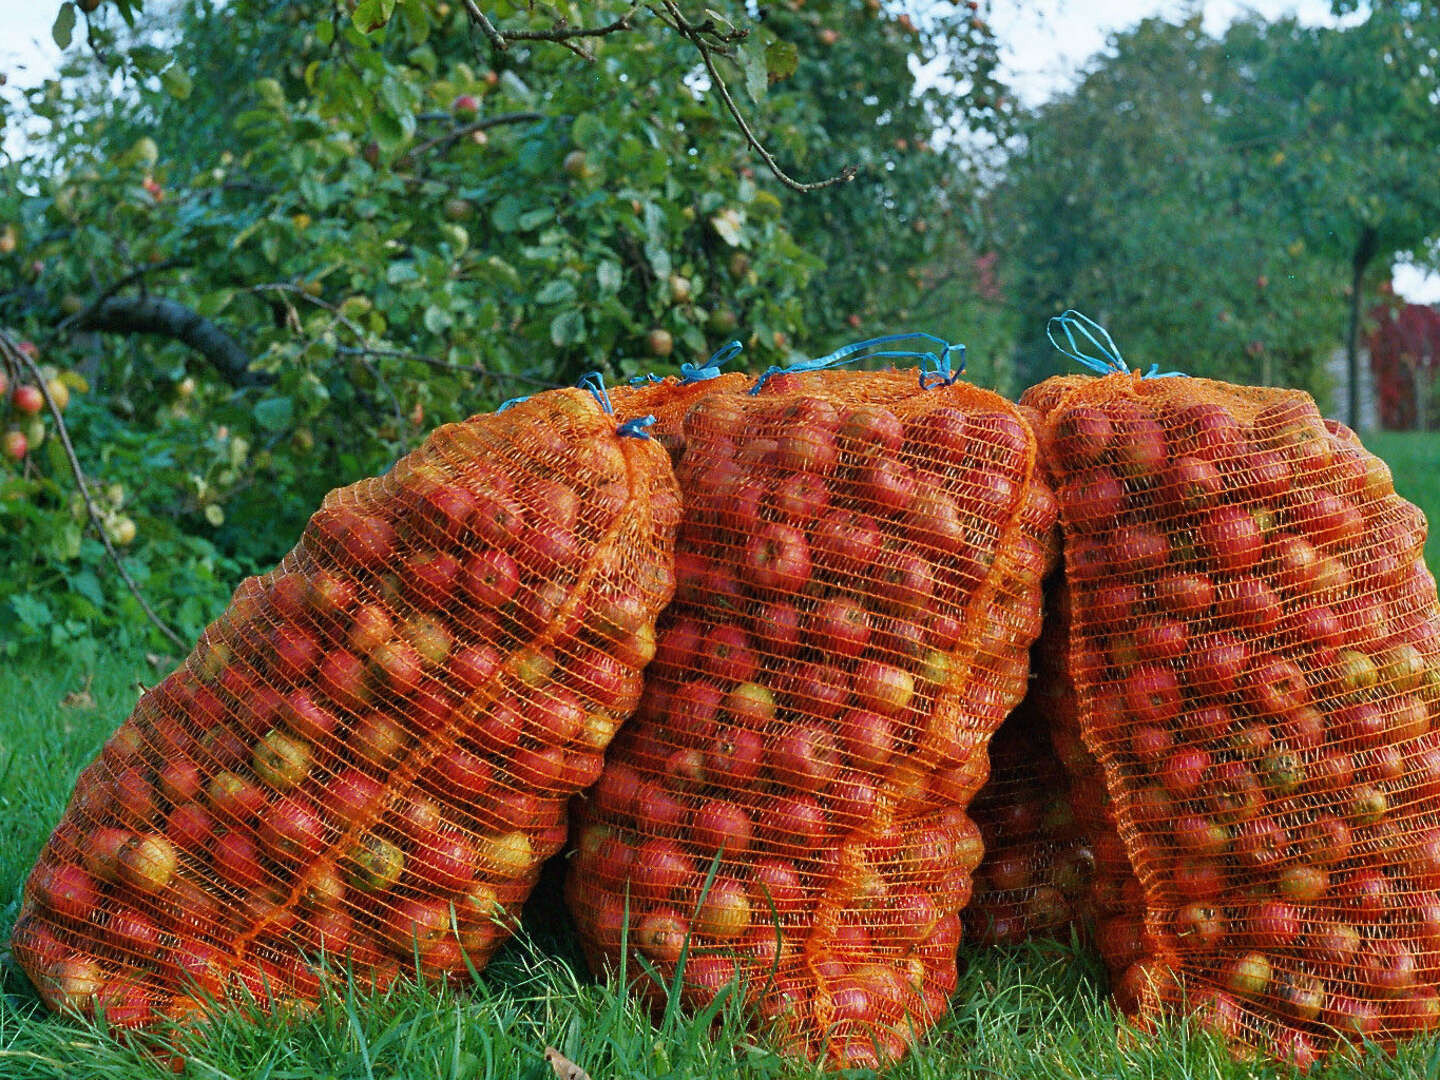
{"type": "Point", "coordinates": [12, 352]}
{"type": "Point", "coordinates": [451, 137]}
{"type": "Point", "coordinates": [172, 319]}
{"type": "Point", "coordinates": [446, 365]}
{"type": "Point", "coordinates": [561, 33]}
{"type": "Point", "coordinates": [486, 26]}
{"type": "Point", "coordinates": [690, 31]}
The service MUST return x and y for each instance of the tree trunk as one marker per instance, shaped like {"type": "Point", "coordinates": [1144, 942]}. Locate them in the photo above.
{"type": "Point", "coordinates": [1365, 250]}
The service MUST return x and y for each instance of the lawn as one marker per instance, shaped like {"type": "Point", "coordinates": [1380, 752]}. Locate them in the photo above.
{"type": "Point", "coordinates": [1038, 1011]}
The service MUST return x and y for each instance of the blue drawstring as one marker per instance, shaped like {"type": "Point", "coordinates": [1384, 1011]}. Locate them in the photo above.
{"type": "Point", "coordinates": [866, 350]}
{"type": "Point", "coordinates": [595, 383]}
{"type": "Point", "coordinates": [636, 428]}
{"type": "Point", "coordinates": [513, 401]}
{"type": "Point", "coordinates": [689, 373]}
{"type": "Point", "coordinates": [644, 380]}
{"type": "Point", "coordinates": [1110, 362]}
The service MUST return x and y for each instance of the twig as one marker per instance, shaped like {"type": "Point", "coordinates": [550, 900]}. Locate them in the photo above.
{"type": "Point", "coordinates": [445, 365]}
{"type": "Point", "coordinates": [345, 321]}
{"type": "Point", "coordinates": [560, 33]}
{"type": "Point", "coordinates": [697, 38]}
{"type": "Point", "coordinates": [479, 125]}
{"type": "Point", "coordinates": [12, 352]}
{"type": "Point", "coordinates": [138, 274]}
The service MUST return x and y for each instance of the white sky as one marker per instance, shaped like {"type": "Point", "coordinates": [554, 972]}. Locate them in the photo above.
{"type": "Point", "coordinates": [1045, 44]}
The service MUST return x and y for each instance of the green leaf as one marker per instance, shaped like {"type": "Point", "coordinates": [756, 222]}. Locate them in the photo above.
{"type": "Point", "coordinates": [555, 291]}
{"type": "Point", "coordinates": [324, 31]}
{"type": "Point", "coordinates": [275, 414]}
{"type": "Point", "coordinates": [371, 15]}
{"type": "Point", "coordinates": [781, 60]}
{"type": "Point", "coordinates": [506, 215]}
{"type": "Point", "coordinates": [32, 611]}
{"type": "Point", "coordinates": [533, 219]}
{"type": "Point", "coordinates": [567, 328]}
{"type": "Point", "coordinates": [64, 25]}
{"type": "Point", "coordinates": [88, 585]}
{"type": "Point", "coordinates": [177, 82]}
{"type": "Point", "coordinates": [757, 73]}
{"type": "Point", "coordinates": [437, 320]}
{"type": "Point", "coordinates": [609, 277]}
{"type": "Point", "coordinates": [588, 132]}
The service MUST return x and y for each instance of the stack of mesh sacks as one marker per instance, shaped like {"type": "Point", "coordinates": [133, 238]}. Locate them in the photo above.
{"type": "Point", "coordinates": [1254, 657]}
{"type": "Point", "coordinates": [364, 761]}
{"type": "Point", "coordinates": [1035, 880]}
{"type": "Point", "coordinates": [858, 582]}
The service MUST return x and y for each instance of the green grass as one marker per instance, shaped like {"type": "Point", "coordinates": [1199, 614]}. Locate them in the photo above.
{"type": "Point", "coordinates": [1037, 1011]}
{"type": "Point", "coordinates": [1415, 461]}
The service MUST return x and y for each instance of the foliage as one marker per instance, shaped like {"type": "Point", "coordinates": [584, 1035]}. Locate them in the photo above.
{"type": "Point", "coordinates": [1202, 194]}
{"type": "Point", "coordinates": [299, 174]}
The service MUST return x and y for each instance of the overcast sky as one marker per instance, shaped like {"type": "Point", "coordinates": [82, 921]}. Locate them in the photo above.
{"type": "Point", "coordinates": [1045, 43]}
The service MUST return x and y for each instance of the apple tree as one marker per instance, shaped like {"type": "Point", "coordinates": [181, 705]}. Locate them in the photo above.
{"type": "Point", "coordinates": [280, 239]}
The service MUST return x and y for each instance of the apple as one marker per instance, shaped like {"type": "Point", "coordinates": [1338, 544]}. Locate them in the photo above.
{"type": "Point", "coordinates": [236, 860]}
{"type": "Point", "coordinates": [292, 828]}
{"type": "Point", "coordinates": [725, 911]}
{"type": "Point", "coordinates": [883, 688]}
{"type": "Point", "coordinates": [281, 761]}
{"type": "Point", "coordinates": [14, 445]}
{"type": "Point", "coordinates": [661, 935]}
{"type": "Point", "coordinates": [375, 864]}
{"type": "Point", "coordinates": [805, 756]}
{"type": "Point", "coordinates": [27, 399]}
{"type": "Point", "coordinates": [465, 108]}
{"type": "Point", "coordinates": [147, 862]}
{"type": "Point", "coordinates": [1248, 975]}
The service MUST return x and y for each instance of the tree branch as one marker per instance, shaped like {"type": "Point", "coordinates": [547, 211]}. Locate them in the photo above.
{"type": "Point", "coordinates": [561, 33]}
{"type": "Point", "coordinates": [459, 133]}
{"type": "Point", "coordinates": [697, 38]}
{"type": "Point", "coordinates": [170, 318]}
{"type": "Point", "coordinates": [11, 352]}
{"type": "Point", "coordinates": [138, 274]}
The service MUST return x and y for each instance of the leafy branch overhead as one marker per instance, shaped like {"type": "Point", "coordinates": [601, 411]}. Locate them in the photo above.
{"type": "Point", "coordinates": [273, 234]}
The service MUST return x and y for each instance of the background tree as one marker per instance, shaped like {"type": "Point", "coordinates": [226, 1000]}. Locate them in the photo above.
{"type": "Point", "coordinates": [1215, 199]}
{"type": "Point", "coordinates": [280, 239]}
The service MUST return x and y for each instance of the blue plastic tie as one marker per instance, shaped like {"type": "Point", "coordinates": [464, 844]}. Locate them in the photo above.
{"type": "Point", "coordinates": [595, 383]}
{"type": "Point", "coordinates": [1109, 362]}
{"type": "Point", "coordinates": [513, 401]}
{"type": "Point", "coordinates": [689, 373]}
{"type": "Point", "coordinates": [869, 349]}
{"type": "Point", "coordinates": [644, 380]}
{"type": "Point", "coordinates": [636, 428]}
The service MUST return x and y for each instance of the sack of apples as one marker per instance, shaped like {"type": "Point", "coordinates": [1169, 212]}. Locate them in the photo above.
{"type": "Point", "coordinates": [1255, 667]}
{"type": "Point", "coordinates": [858, 580]}
{"type": "Point", "coordinates": [1036, 875]}
{"type": "Point", "coordinates": [365, 759]}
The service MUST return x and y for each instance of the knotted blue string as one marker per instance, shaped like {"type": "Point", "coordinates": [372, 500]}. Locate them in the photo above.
{"type": "Point", "coordinates": [1109, 362]}
{"type": "Point", "coordinates": [513, 401]}
{"type": "Point", "coordinates": [595, 383]}
{"type": "Point", "coordinates": [644, 380]}
{"type": "Point", "coordinates": [689, 373]}
{"type": "Point", "coordinates": [636, 428]}
{"type": "Point", "coordinates": [871, 349]}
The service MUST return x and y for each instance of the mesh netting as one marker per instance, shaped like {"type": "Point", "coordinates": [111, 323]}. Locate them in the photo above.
{"type": "Point", "coordinates": [1035, 879]}
{"type": "Point", "coordinates": [365, 759]}
{"type": "Point", "coordinates": [1254, 685]}
{"type": "Point", "coordinates": [858, 581]}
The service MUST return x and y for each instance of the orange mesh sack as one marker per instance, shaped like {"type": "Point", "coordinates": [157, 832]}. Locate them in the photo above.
{"type": "Point", "coordinates": [858, 575]}
{"type": "Point", "coordinates": [383, 729]}
{"type": "Point", "coordinates": [1036, 875]}
{"type": "Point", "coordinates": [1255, 657]}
